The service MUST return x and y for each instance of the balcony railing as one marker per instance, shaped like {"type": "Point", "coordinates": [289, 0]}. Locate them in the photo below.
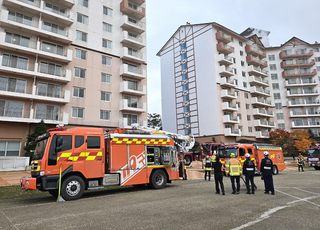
{"type": "Point", "coordinates": [296, 73]}
{"type": "Point", "coordinates": [262, 112]}
{"type": "Point", "coordinates": [301, 92]}
{"type": "Point", "coordinates": [226, 81]}
{"type": "Point", "coordinates": [224, 59]}
{"type": "Point", "coordinates": [301, 102]}
{"type": "Point", "coordinates": [223, 37]}
{"type": "Point", "coordinates": [297, 63]}
{"type": "Point", "coordinates": [262, 134]}
{"type": "Point", "coordinates": [130, 9]}
{"type": "Point", "coordinates": [300, 113]}
{"type": "Point", "coordinates": [228, 94]}
{"type": "Point", "coordinates": [257, 71]}
{"type": "Point", "coordinates": [256, 52]}
{"type": "Point", "coordinates": [229, 106]}
{"type": "Point", "coordinates": [133, 24]}
{"type": "Point", "coordinates": [259, 79]}
{"type": "Point", "coordinates": [232, 132]}
{"type": "Point", "coordinates": [223, 48]}
{"type": "Point", "coordinates": [260, 100]}
{"type": "Point", "coordinates": [132, 88]}
{"type": "Point", "coordinates": [298, 53]}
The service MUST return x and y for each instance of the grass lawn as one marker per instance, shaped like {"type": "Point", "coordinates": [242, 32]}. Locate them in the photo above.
{"type": "Point", "coordinates": [14, 191]}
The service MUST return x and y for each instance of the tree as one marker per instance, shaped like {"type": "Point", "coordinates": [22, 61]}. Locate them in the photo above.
{"type": "Point", "coordinates": [154, 121]}
{"type": "Point", "coordinates": [31, 144]}
{"type": "Point", "coordinates": [279, 137]}
{"type": "Point", "coordinates": [302, 140]}
{"type": "Point", "coordinates": [214, 139]}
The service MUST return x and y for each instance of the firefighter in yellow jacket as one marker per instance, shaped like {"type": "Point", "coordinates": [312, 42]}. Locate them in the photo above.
{"type": "Point", "coordinates": [207, 167]}
{"type": "Point", "coordinates": [234, 169]}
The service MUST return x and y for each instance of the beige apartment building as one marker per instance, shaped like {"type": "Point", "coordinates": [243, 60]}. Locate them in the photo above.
{"type": "Point", "coordinates": [71, 63]}
{"type": "Point", "coordinates": [231, 86]}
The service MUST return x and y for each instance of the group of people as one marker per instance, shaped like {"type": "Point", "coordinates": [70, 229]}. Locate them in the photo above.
{"type": "Point", "coordinates": [235, 171]}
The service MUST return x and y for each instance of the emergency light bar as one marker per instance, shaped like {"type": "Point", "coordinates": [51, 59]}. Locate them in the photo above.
{"type": "Point", "coordinates": [57, 129]}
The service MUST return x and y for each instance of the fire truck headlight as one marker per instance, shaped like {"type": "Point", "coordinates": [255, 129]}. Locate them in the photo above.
{"type": "Point", "coordinates": [27, 183]}
{"type": "Point", "coordinates": [21, 180]}
{"type": "Point", "coordinates": [41, 173]}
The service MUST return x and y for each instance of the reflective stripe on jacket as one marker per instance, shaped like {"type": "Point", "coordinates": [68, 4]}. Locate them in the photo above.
{"type": "Point", "coordinates": [233, 167]}
{"type": "Point", "coordinates": [207, 164]}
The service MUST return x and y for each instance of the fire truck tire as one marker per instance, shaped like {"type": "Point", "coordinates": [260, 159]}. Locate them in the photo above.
{"type": "Point", "coordinates": [188, 160]}
{"type": "Point", "coordinates": [317, 167]}
{"type": "Point", "coordinates": [53, 193]}
{"type": "Point", "coordinates": [72, 188]}
{"type": "Point", "coordinates": [158, 179]}
{"type": "Point", "coordinates": [275, 170]}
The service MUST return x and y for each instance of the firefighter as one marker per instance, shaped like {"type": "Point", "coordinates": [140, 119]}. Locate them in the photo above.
{"type": "Point", "coordinates": [218, 175]}
{"type": "Point", "coordinates": [300, 162]}
{"type": "Point", "coordinates": [248, 171]}
{"type": "Point", "coordinates": [213, 157]}
{"type": "Point", "coordinates": [266, 171]}
{"type": "Point", "coordinates": [182, 168]}
{"type": "Point", "coordinates": [234, 169]}
{"type": "Point", "coordinates": [207, 167]}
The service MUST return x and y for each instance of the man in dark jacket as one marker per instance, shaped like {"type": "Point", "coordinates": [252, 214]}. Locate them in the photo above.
{"type": "Point", "coordinates": [266, 171]}
{"type": "Point", "coordinates": [218, 177]}
{"type": "Point", "coordinates": [248, 171]}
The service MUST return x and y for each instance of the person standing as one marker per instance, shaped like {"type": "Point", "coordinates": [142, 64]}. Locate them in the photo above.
{"type": "Point", "coordinates": [248, 171]}
{"type": "Point", "coordinates": [234, 169]}
{"type": "Point", "coordinates": [182, 168]}
{"type": "Point", "coordinates": [300, 162]}
{"type": "Point", "coordinates": [218, 177]}
{"type": "Point", "coordinates": [266, 172]}
{"type": "Point", "coordinates": [207, 167]}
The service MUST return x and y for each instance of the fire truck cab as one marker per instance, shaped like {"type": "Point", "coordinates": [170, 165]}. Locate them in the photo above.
{"type": "Point", "coordinates": [313, 157]}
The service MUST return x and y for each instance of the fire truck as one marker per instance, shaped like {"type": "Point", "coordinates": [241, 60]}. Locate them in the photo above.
{"type": "Point", "coordinates": [78, 159]}
{"type": "Point", "coordinates": [256, 154]}
{"type": "Point", "coordinates": [313, 157]}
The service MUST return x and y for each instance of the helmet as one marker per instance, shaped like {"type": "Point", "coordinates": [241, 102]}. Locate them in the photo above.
{"type": "Point", "coordinates": [266, 153]}
{"type": "Point", "coordinates": [247, 155]}
{"type": "Point", "coordinates": [232, 155]}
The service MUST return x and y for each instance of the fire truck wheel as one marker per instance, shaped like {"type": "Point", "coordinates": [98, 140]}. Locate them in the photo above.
{"type": "Point", "coordinates": [275, 170]}
{"type": "Point", "coordinates": [72, 188]}
{"type": "Point", "coordinates": [158, 179]}
{"type": "Point", "coordinates": [54, 193]}
{"type": "Point", "coordinates": [188, 160]}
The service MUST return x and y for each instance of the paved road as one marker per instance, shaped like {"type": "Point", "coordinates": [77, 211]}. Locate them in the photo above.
{"type": "Point", "coordinates": [188, 204]}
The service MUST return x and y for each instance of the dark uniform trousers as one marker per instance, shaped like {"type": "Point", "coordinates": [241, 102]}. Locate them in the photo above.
{"type": "Point", "coordinates": [268, 182]}
{"type": "Point", "coordinates": [249, 178]}
{"type": "Point", "coordinates": [237, 178]}
{"type": "Point", "coordinates": [218, 180]}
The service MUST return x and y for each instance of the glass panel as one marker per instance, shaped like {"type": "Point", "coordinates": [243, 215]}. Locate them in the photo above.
{"type": "Point", "coordinates": [12, 84]}
{"type": "Point", "coordinates": [2, 104]}
{"type": "Point", "coordinates": [3, 83]}
{"type": "Point", "coordinates": [13, 109]}
{"type": "Point", "coordinates": [22, 63]}
{"type": "Point", "coordinates": [25, 41]}
{"type": "Point", "coordinates": [58, 70]}
{"type": "Point", "coordinates": [42, 89]}
{"type": "Point", "coordinates": [21, 86]}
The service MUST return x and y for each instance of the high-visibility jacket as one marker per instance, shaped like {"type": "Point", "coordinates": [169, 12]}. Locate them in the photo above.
{"type": "Point", "coordinates": [233, 167]}
{"type": "Point", "coordinates": [213, 158]}
{"type": "Point", "coordinates": [207, 164]}
{"type": "Point", "coordinates": [300, 160]}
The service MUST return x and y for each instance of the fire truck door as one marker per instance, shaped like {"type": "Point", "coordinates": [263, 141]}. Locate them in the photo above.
{"type": "Point", "coordinates": [93, 156]}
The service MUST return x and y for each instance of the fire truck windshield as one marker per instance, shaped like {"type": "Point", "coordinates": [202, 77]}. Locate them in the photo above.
{"type": "Point", "coordinates": [40, 147]}
{"type": "Point", "coordinates": [313, 152]}
{"type": "Point", "coordinates": [225, 152]}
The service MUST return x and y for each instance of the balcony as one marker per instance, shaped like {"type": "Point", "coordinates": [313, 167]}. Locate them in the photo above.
{"type": "Point", "coordinates": [132, 41]}
{"type": "Point", "coordinates": [34, 26]}
{"type": "Point", "coordinates": [260, 91]}
{"type": "Point", "coordinates": [305, 124]}
{"type": "Point", "coordinates": [300, 83]}
{"type": "Point", "coordinates": [230, 119]}
{"type": "Point", "coordinates": [124, 123]}
{"type": "Point", "coordinates": [229, 106]}
{"type": "Point", "coordinates": [222, 37]}
{"type": "Point", "coordinates": [257, 71]}
{"type": "Point", "coordinates": [132, 71]}
{"type": "Point", "coordinates": [290, 54]}
{"type": "Point", "coordinates": [262, 134]}
{"type": "Point", "coordinates": [254, 80]}
{"type": "Point", "coordinates": [264, 123]}
{"type": "Point", "coordinates": [224, 59]}
{"type": "Point", "coordinates": [262, 112]}
{"type": "Point", "coordinates": [23, 115]}
{"type": "Point", "coordinates": [139, 107]}
{"type": "Point", "coordinates": [227, 82]}
{"type": "Point", "coordinates": [307, 113]}
{"type": "Point", "coordinates": [260, 101]}
{"type": "Point", "coordinates": [256, 61]}
{"type": "Point", "coordinates": [298, 73]}
{"type": "Point", "coordinates": [231, 132]}
{"type": "Point", "coordinates": [297, 64]}
{"type": "Point", "coordinates": [132, 10]}
{"type": "Point", "coordinates": [301, 93]}
{"type": "Point", "coordinates": [228, 94]}
{"type": "Point", "coordinates": [133, 55]}
{"type": "Point", "coordinates": [139, 2]}
{"type": "Point", "coordinates": [222, 48]}
{"type": "Point", "coordinates": [132, 89]}
{"type": "Point", "coordinates": [226, 71]}
{"type": "Point", "coordinates": [255, 52]}
{"type": "Point", "coordinates": [302, 103]}
{"type": "Point", "coordinates": [132, 24]}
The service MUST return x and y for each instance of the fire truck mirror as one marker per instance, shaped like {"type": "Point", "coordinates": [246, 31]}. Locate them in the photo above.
{"type": "Point", "coordinates": [59, 143]}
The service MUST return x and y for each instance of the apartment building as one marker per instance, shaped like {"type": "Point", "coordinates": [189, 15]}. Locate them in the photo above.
{"type": "Point", "coordinates": [71, 63]}
{"type": "Point", "coordinates": [218, 83]}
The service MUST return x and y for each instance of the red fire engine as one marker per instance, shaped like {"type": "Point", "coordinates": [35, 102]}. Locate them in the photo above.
{"type": "Point", "coordinates": [314, 157]}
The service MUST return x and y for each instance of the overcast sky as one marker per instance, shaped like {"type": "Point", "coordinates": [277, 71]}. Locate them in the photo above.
{"type": "Point", "coordinates": [283, 18]}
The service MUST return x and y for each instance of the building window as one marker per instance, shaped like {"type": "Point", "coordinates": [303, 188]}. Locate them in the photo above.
{"type": "Point", "coordinates": [81, 36]}
{"type": "Point", "coordinates": [78, 92]}
{"type": "Point", "coordinates": [17, 39]}
{"type": "Point", "coordinates": [133, 52]}
{"type": "Point", "coordinates": [183, 46]}
{"type": "Point", "coordinates": [274, 76]}
{"type": "Point", "coordinates": [183, 56]}
{"type": "Point", "coordinates": [186, 109]}
{"type": "Point", "coordinates": [106, 61]}
{"type": "Point", "coordinates": [133, 85]}
{"type": "Point", "coordinates": [241, 53]}
{"type": "Point", "coordinates": [81, 54]}
{"type": "Point", "coordinates": [238, 103]}
{"type": "Point", "coordinates": [187, 120]}
{"type": "Point", "coordinates": [275, 86]}
{"type": "Point", "coordinates": [132, 101]}
{"type": "Point", "coordinates": [11, 109]}
{"type": "Point", "coordinates": [107, 11]}
{"type": "Point", "coordinates": [106, 43]}
{"type": "Point", "coordinates": [132, 6]}
{"type": "Point", "coordinates": [242, 64]}
{"type": "Point", "coordinates": [278, 105]}
{"type": "Point", "coordinates": [234, 60]}
{"type": "Point", "coordinates": [106, 78]}
{"type": "Point", "coordinates": [240, 127]}
{"type": "Point", "coordinates": [53, 8]}
{"type": "Point", "coordinates": [280, 116]}
{"type": "Point", "coordinates": [49, 90]}
{"type": "Point", "coordinates": [77, 112]}
{"type": "Point", "coordinates": [81, 73]}
{"type": "Point", "coordinates": [315, 49]}
{"type": "Point", "coordinates": [184, 66]}
{"type": "Point", "coordinates": [185, 87]}
{"type": "Point", "coordinates": [248, 118]}
{"type": "Point", "coordinates": [82, 18]}
{"type": "Point", "coordinates": [185, 76]}
{"type": "Point", "coordinates": [250, 129]}
{"type": "Point", "coordinates": [236, 93]}
{"type": "Point", "coordinates": [234, 71]}
{"type": "Point", "coordinates": [20, 18]}
{"type": "Point", "coordinates": [47, 112]}
{"type": "Point", "coordinates": [243, 74]}
{"type": "Point", "coordinates": [185, 98]}
{"type": "Point", "coordinates": [281, 126]}
{"type": "Point", "coordinates": [51, 69]}
{"type": "Point", "coordinates": [273, 67]}
{"type": "Point", "coordinates": [276, 96]}
{"type": "Point", "coordinates": [245, 84]}
{"type": "Point", "coordinates": [246, 95]}
{"type": "Point", "coordinates": [247, 106]}
{"type": "Point", "coordinates": [317, 59]}
{"type": "Point", "coordinates": [9, 148]}
{"type": "Point", "coordinates": [52, 48]}
{"type": "Point", "coordinates": [12, 85]}
{"type": "Point", "coordinates": [107, 27]}
{"type": "Point", "coordinates": [105, 115]}
{"type": "Point", "coordinates": [131, 118]}
{"type": "Point", "coordinates": [83, 2]}
{"type": "Point", "coordinates": [272, 58]}
{"type": "Point", "coordinates": [187, 131]}
{"type": "Point", "coordinates": [105, 96]}
{"type": "Point", "coordinates": [240, 43]}
{"type": "Point", "coordinates": [239, 115]}
{"type": "Point", "coordinates": [15, 61]}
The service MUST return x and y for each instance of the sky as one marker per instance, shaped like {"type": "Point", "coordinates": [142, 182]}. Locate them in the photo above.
{"type": "Point", "coordinates": [284, 19]}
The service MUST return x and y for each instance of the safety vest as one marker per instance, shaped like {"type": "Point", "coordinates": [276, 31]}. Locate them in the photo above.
{"type": "Point", "coordinates": [233, 167]}
{"type": "Point", "coordinates": [207, 164]}
{"type": "Point", "coordinates": [213, 158]}
{"type": "Point", "coordinates": [300, 160]}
